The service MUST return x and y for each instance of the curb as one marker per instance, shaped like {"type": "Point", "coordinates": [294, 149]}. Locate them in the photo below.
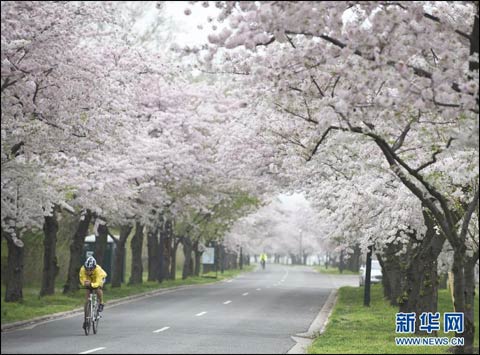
{"type": "Point", "coordinates": [118, 301]}
{"type": "Point", "coordinates": [303, 340]}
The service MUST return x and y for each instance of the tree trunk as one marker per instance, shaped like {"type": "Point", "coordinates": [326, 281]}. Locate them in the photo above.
{"type": "Point", "coordinates": [353, 263]}
{"type": "Point", "coordinates": [120, 256]}
{"type": "Point", "coordinates": [161, 270]}
{"type": "Point", "coordinates": [463, 294]}
{"type": "Point", "coordinates": [341, 265]}
{"type": "Point", "coordinates": [165, 249]}
{"type": "Point", "coordinates": [421, 281]}
{"type": "Point", "coordinates": [240, 261]}
{"type": "Point", "coordinates": [187, 251]}
{"type": "Point", "coordinates": [222, 258]}
{"type": "Point", "coordinates": [101, 241]}
{"type": "Point", "coordinates": [50, 267]}
{"type": "Point", "coordinates": [153, 254]}
{"type": "Point", "coordinates": [393, 273]}
{"type": "Point", "coordinates": [14, 272]}
{"type": "Point", "coordinates": [469, 273]}
{"type": "Point", "coordinates": [76, 249]}
{"type": "Point", "coordinates": [198, 258]}
{"type": "Point", "coordinates": [136, 276]}
{"type": "Point", "coordinates": [292, 257]}
{"type": "Point", "coordinates": [442, 281]}
{"type": "Point", "coordinates": [234, 260]}
{"type": "Point", "coordinates": [366, 293]}
{"type": "Point", "coordinates": [173, 257]}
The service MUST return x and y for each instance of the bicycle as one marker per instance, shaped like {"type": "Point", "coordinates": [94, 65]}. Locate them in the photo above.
{"type": "Point", "coordinates": [263, 264]}
{"type": "Point", "coordinates": [91, 308]}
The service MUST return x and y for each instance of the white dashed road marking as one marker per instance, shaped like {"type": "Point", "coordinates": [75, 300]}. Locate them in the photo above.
{"type": "Point", "coordinates": [227, 302]}
{"type": "Point", "coordinates": [91, 351]}
{"type": "Point", "coordinates": [161, 329]}
{"type": "Point", "coordinates": [200, 314]}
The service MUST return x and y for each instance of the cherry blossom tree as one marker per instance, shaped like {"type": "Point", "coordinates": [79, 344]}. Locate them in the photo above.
{"type": "Point", "coordinates": [404, 76]}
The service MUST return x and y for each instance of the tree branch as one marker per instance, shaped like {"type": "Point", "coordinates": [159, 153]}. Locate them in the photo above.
{"type": "Point", "coordinates": [321, 140]}
{"type": "Point", "coordinates": [399, 142]}
{"type": "Point", "coordinates": [296, 142]}
{"type": "Point", "coordinates": [7, 83]}
{"type": "Point", "coordinates": [308, 119]}
{"type": "Point", "coordinates": [468, 215]}
{"type": "Point", "coordinates": [434, 156]}
{"type": "Point", "coordinates": [445, 220]}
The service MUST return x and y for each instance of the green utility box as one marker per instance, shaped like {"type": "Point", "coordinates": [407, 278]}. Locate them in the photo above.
{"type": "Point", "coordinates": [108, 262]}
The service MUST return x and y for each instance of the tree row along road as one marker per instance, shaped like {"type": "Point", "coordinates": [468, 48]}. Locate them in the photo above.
{"type": "Point", "coordinates": [256, 312]}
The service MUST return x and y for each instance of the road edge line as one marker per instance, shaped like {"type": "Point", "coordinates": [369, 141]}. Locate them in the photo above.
{"type": "Point", "coordinates": [303, 340]}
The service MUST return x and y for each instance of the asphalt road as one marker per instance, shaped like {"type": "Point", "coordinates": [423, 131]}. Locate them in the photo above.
{"type": "Point", "coordinates": [256, 312]}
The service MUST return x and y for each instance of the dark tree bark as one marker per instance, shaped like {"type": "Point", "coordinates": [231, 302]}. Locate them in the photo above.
{"type": "Point", "coordinates": [198, 257]}
{"type": "Point", "coordinates": [292, 256]}
{"type": "Point", "coordinates": [464, 293]}
{"type": "Point", "coordinates": [366, 294]}
{"type": "Point", "coordinates": [187, 251]}
{"type": "Point", "coordinates": [136, 276]}
{"type": "Point", "coordinates": [421, 279]}
{"type": "Point", "coordinates": [341, 265]}
{"type": "Point", "coordinates": [276, 257]}
{"type": "Point", "coordinates": [120, 256]}
{"type": "Point", "coordinates": [153, 254]}
{"type": "Point", "coordinates": [221, 249]}
{"type": "Point", "coordinates": [101, 241]}
{"type": "Point", "coordinates": [76, 249]}
{"type": "Point", "coordinates": [353, 263]}
{"type": "Point", "coordinates": [14, 272]}
{"type": "Point", "coordinates": [50, 267]}
{"type": "Point", "coordinates": [469, 274]}
{"type": "Point", "coordinates": [305, 256]}
{"type": "Point", "coordinates": [442, 281]}
{"type": "Point", "coordinates": [240, 261]}
{"type": "Point", "coordinates": [161, 274]}
{"type": "Point", "coordinates": [173, 256]}
{"type": "Point", "coordinates": [393, 272]}
{"type": "Point", "coordinates": [165, 250]}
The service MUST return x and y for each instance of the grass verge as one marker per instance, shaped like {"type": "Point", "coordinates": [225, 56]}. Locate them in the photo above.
{"type": "Point", "coordinates": [334, 271]}
{"type": "Point", "coordinates": [35, 306]}
{"type": "Point", "coordinates": [355, 329]}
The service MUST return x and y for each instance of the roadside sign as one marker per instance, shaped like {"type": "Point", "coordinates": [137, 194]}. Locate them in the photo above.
{"type": "Point", "coordinates": [208, 256]}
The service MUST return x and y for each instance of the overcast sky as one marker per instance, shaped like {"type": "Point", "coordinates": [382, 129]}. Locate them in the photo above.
{"type": "Point", "coordinates": [187, 31]}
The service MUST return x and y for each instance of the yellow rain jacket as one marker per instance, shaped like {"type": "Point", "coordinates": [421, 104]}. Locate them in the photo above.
{"type": "Point", "coordinates": [97, 278]}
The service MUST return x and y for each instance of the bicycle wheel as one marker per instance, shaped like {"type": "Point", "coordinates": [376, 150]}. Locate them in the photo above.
{"type": "Point", "coordinates": [88, 318]}
{"type": "Point", "coordinates": [96, 319]}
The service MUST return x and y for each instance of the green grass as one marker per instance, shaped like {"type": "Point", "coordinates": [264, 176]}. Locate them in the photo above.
{"type": "Point", "coordinates": [334, 271]}
{"type": "Point", "coordinates": [34, 306]}
{"type": "Point", "coordinates": [355, 329]}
